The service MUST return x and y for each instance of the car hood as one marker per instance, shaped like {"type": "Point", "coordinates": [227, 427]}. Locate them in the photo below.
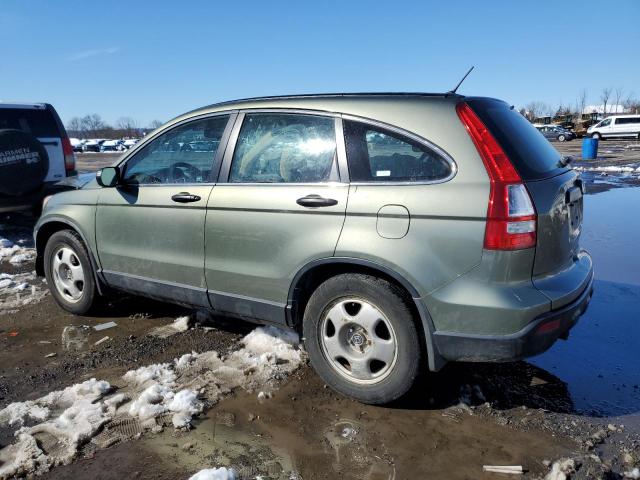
{"type": "Point", "coordinates": [78, 181]}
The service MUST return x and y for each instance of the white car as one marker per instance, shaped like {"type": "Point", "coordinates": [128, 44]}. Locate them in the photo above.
{"type": "Point", "coordinates": [616, 126]}
{"type": "Point", "coordinates": [130, 143]}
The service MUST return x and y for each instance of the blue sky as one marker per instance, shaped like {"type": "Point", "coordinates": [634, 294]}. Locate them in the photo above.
{"type": "Point", "coordinates": [155, 60]}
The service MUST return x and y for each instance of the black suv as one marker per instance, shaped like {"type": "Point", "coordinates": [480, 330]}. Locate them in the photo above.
{"type": "Point", "coordinates": [35, 153]}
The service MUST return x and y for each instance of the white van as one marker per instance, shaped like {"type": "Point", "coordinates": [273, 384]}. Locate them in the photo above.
{"type": "Point", "coordinates": [616, 126]}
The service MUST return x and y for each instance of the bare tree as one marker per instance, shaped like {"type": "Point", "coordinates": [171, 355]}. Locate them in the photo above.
{"type": "Point", "coordinates": [128, 125]}
{"type": "Point", "coordinates": [93, 123]}
{"type": "Point", "coordinates": [618, 95]}
{"type": "Point", "coordinates": [75, 126]}
{"type": "Point", "coordinates": [535, 110]}
{"type": "Point", "coordinates": [581, 102]}
{"type": "Point", "coordinates": [604, 97]}
{"type": "Point", "coordinates": [155, 124]}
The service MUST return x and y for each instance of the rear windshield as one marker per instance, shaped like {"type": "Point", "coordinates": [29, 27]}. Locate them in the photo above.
{"type": "Point", "coordinates": [530, 152]}
{"type": "Point", "coordinates": [39, 123]}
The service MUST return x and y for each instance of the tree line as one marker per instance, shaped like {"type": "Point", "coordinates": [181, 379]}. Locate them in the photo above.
{"type": "Point", "coordinates": [608, 97]}
{"type": "Point", "coordinates": [93, 126]}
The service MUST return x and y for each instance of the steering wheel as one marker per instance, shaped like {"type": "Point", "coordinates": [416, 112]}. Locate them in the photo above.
{"type": "Point", "coordinates": [190, 173]}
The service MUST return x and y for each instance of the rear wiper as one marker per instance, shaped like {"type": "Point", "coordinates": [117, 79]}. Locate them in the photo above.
{"type": "Point", "coordinates": [565, 160]}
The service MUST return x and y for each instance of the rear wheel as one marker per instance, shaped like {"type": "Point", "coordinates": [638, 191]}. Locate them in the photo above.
{"type": "Point", "coordinates": [361, 338]}
{"type": "Point", "coordinates": [69, 272]}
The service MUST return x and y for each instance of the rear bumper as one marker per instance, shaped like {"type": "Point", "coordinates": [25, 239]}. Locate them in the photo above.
{"type": "Point", "coordinates": [26, 202]}
{"type": "Point", "coordinates": [537, 337]}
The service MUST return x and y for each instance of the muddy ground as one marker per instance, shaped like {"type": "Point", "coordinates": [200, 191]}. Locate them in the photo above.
{"type": "Point", "coordinates": [579, 400]}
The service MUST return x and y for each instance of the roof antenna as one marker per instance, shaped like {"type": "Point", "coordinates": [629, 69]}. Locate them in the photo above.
{"type": "Point", "coordinates": [452, 92]}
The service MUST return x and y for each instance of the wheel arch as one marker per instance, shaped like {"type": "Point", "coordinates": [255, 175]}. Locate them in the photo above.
{"type": "Point", "coordinates": [43, 233]}
{"type": "Point", "coordinates": [314, 273]}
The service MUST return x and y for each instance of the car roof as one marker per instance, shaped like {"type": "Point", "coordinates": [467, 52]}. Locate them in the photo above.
{"type": "Point", "coordinates": [26, 106]}
{"type": "Point", "coordinates": [294, 101]}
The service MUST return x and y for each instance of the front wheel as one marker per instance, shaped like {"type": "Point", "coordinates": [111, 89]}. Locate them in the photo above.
{"type": "Point", "coordinates": [597, 136]}
{"type": "Point", "coordinates": [362, 339]}
{"type": "Point", "coordinates": [69, 272]}
{"type": "Point", "coordinates": [561, 138]}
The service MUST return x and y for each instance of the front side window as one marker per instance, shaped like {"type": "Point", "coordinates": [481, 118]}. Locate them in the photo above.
{"type": "Point", "coordinates": [184, 154]}
{"type": "Point", "coordinates": [605, 123]}
{"type": "Point", "coordinates": [378, 155]}
{"type": "Point", "coordinates": [284, 148]}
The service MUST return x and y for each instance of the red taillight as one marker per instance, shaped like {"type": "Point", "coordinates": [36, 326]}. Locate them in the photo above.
{"type": "Point", "coordinates": [511, 217]}
{"type": "Point", "coordinates": [69, 156]}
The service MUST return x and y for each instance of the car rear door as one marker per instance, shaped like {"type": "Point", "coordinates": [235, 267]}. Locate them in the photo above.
{"type": "Point", "coordinates": [279, 205]}
{"type": "Point", "coordinates": [150, 229]}
{"type": "Point", "coordinates": [557, 193]}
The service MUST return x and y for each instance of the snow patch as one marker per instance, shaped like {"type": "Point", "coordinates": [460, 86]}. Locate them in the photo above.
{"type": "Point", "coordinates": [561, 469]}
{"type": "Point", "coordinates": [221, 473]}
{"type": "Point", "coordinates": [180, 389]}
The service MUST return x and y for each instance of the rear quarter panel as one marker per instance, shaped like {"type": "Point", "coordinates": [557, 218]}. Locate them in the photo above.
{"type": "Point", "coordinates": [446, 220]}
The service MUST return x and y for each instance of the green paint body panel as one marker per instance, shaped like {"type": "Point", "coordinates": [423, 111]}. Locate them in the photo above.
{"type": "Point", "coordinates": [240, 247]}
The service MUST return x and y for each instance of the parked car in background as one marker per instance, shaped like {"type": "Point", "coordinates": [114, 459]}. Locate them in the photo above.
{"type": "Point", "coordinates": [35, 153]}
{"type": "Point", "coordinates": [127, 144]}
{"type": "Point", "coordinates": [555, 133]}
{"type": "Point", "coordinates": [93, 145]}
{"type": "Point", "coordinates": [112, 146]}
{"type": "Point", "coordinates": [76, 143]}
{"type": "Point", "coordinates": [616, 126]}
{"type": "Point", "coordinates": [391, 231]}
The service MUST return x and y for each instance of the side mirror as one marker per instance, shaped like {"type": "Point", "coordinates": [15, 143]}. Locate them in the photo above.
{"type": "Point", "coordinates": [108, 177]}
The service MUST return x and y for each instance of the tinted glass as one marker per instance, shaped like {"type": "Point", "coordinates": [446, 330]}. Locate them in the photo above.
{"type": "Point", "coordinates": [182, 155]}
{"type": "Point", "coordinates": [378, 155]}
{"type": "Point", "coordinates": [530, 152]}
{"type": "Point", "coordinates": [39, 123]}
{"type": "Point", "coordinates": [627, 121]}
{"type": "Point", "coordinates": [278, 148]}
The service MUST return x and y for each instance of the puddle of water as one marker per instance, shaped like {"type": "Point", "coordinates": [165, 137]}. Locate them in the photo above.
{"type": "Point", "coordinates": [599, 362]}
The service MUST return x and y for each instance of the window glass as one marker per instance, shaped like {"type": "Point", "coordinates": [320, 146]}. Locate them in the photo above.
{"type": "Point", "coordinates": [39, 123]}
{"type": "Point", "coordinates": [378, 155]}
{"type": "Point", "coordinates": [605, 122]}
{"type": "Point", "coordinates": [182, 155]}
{"type": "Point", "coordinates": [277, 148]}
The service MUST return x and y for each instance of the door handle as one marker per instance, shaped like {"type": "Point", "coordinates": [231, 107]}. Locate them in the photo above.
{"type": "Point", "coordinates": [316, 201]}
{"type": "Point", "coordinates": [185, 197]}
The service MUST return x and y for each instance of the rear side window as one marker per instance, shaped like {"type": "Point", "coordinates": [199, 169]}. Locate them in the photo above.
{"type": "Point", "coordinates": [284, 148]}
{"type": "Point", "coordinates": [627, 120]}
{"type": "Point", "coordinates": [528, 150]}
{"type": "Point", "coordinates": [39, 123]}
{"type": "Point", "coordinates": [379, 155]}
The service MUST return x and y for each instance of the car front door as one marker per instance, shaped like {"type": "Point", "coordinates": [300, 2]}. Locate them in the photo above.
{"type": "Point", "coordinates": [150, 228]}
{"type": "Point", "coordinates": [278, 206]}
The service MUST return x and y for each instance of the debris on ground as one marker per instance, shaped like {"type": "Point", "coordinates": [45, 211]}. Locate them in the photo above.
{"type": "Point", "coordinates": [101, 341]}
{"type": "Point", "coordinates": [506, 469]}
{"type": "Point", "coordinates": [104, 326]}
{"type": "Point", "coordinates": [50, 355]}
{"type": "Point", "coordinates": [75, 337]}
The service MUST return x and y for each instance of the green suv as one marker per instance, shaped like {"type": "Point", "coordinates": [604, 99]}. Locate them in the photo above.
{"type": "Point", "coordinates": [391, 230]}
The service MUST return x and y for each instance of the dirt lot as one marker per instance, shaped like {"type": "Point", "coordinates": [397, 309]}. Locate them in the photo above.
{"type": "Point", "coordinates": [580, 400]}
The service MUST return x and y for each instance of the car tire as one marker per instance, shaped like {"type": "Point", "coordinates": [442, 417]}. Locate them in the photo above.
{"type": "Point", "coordinates": [561, 138]}
{"type": "Point", "coordinates": [596, 135]}
{"type": "Point", "coordinates": [69, 272]}
{"type": "Point", "coordinates": [361, 337]}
